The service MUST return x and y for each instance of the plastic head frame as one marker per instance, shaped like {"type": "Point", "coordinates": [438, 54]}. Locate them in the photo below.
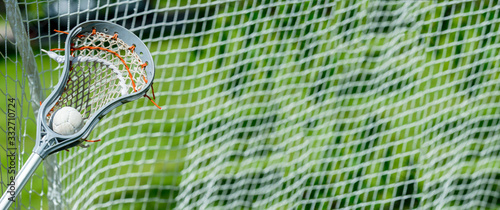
{"type": "Point", "coordinates": [48, 141]}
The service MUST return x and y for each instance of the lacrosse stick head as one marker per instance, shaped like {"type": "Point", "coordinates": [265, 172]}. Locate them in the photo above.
{"type": "Point", "coordinates": [105, 65]}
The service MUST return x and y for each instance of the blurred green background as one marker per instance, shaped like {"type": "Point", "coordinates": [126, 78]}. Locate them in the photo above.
{"type": "Point", "coordinates": [287, 105]}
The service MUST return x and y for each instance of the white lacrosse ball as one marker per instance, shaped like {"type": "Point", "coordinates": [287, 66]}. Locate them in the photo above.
{"type": "Point", "coordinates": [66, 121]}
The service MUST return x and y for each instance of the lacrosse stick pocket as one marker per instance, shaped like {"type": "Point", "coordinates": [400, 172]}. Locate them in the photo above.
{"type": "Point", "coordinates": [105, 66]}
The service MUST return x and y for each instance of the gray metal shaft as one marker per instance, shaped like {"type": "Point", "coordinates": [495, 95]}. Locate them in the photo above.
{"type": "Point", "coordinates": [21, 179]}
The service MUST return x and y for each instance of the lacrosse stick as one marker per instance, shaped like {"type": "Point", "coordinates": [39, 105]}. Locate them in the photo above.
{"type": "Point", "coordinates": [105, 66]}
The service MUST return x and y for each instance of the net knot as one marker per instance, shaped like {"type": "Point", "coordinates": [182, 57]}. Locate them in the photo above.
{"type": "Point", "coordinates": [131, 48]}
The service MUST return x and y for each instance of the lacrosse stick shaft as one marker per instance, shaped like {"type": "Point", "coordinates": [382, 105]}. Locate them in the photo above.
{"type": "Point", "coordinates": [21, 179]}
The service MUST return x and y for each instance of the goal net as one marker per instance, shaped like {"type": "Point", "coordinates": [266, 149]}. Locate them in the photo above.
{"type": "Point", "coordinates": [368, 104]}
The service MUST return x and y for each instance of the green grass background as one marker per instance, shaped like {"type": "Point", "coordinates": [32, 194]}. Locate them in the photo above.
{"type": "Point", "coordinates": [327, 109]}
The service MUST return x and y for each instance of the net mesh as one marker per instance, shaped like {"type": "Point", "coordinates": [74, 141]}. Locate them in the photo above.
{"type": "Point", "coordinates": [292, 105]}
{"type": "Point", "coordinates": [103, 68]}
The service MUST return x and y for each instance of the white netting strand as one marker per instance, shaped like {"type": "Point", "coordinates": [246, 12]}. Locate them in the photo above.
{"type": "Point", "coordinates": [346, 104]}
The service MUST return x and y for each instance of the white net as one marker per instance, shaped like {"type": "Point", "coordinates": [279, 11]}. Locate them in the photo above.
{"type": "Point", "coordinates": [287, 105]}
